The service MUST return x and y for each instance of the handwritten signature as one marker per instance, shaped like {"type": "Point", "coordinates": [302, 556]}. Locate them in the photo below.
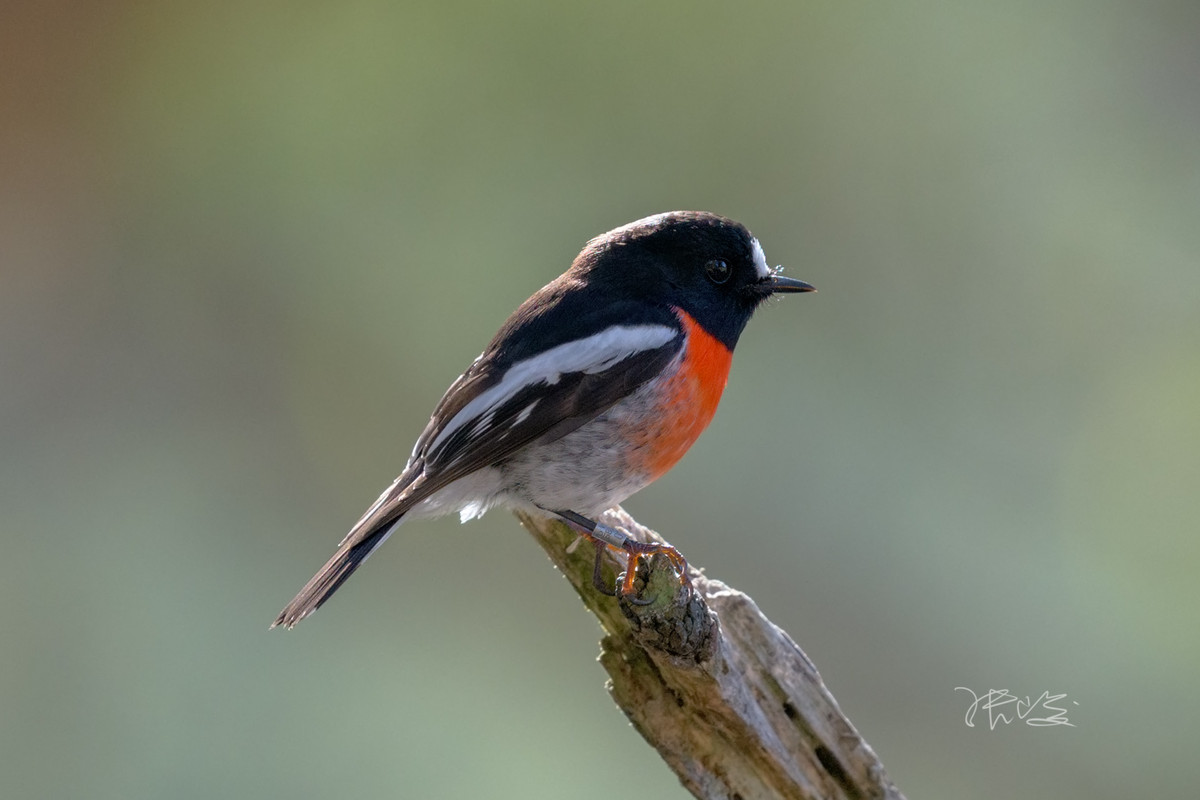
{"type": "Point", "coordinates": [1002, 706]}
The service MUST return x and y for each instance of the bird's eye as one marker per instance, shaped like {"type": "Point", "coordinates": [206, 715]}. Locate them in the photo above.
{"type": "Point", "coordinates": [717, 271]}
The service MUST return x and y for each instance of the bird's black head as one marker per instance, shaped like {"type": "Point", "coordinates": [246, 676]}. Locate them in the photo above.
{"type": "Point", "coordinates": [707, 265]}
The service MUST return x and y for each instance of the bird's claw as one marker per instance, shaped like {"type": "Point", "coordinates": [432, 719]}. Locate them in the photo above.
{"type": "Point", "coordinates": [603, 537]}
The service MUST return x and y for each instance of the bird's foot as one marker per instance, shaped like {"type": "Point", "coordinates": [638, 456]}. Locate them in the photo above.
{"type": "Point", "coordinates": [604, 536]}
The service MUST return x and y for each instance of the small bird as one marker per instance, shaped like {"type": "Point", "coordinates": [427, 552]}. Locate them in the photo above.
{"type": "Point", "coordinates": [592, 389]}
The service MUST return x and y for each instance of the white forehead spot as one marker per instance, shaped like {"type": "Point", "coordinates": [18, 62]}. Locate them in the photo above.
{"type": "Point", "coordinates": [645, 222]}
{"type": "Point", "coordinates": [760, 260]}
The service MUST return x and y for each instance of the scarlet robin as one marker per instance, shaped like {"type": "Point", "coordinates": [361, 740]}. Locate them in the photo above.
{"type": "Point", "coordinates": [593, 388]}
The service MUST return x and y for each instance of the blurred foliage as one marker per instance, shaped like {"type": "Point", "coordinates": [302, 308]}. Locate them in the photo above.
{"type": "Point", "coordinates": [244, 247]}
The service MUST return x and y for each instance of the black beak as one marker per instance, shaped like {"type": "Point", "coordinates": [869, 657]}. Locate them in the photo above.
{"type": "Point", "coordinates": [778, 284]}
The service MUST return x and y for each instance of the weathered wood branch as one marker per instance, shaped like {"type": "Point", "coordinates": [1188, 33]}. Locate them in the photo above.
{"type": "Point", "coordinates": [730, 702]}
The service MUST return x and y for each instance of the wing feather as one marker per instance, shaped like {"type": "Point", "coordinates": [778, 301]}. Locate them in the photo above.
{"type": "Point", "coordinates": [513, 394]}
{"type": "Point", "coordinates": [499, 412]}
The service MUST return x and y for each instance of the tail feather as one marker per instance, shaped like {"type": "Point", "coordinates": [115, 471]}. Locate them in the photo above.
{"type": "Point", "coordinates": [327, 580]}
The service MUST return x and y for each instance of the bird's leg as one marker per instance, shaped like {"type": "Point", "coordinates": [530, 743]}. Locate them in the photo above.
{"type": "Point", "coordinates": [607, 537]}
{"type": "Point", "coordinates": [602, 536]}
{"type": "Point", "coordinates": [597, 578]}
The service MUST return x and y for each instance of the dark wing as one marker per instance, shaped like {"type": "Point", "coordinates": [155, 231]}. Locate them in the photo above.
{"type": "Point", "coordinates": [502, 403]}
{"type": "Point", "coordinates": [496, 408]}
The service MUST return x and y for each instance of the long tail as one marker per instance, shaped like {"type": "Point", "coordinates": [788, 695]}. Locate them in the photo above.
{"type": "Point", "coordinates": [350, 554]}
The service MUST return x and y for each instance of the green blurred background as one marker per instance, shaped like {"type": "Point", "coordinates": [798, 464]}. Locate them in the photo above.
{"type": "Point", "coordinates": [245, 247]}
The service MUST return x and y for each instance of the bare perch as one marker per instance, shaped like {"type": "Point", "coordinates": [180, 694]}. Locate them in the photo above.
{"type": "Point", "coordinates": [730, 702]}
